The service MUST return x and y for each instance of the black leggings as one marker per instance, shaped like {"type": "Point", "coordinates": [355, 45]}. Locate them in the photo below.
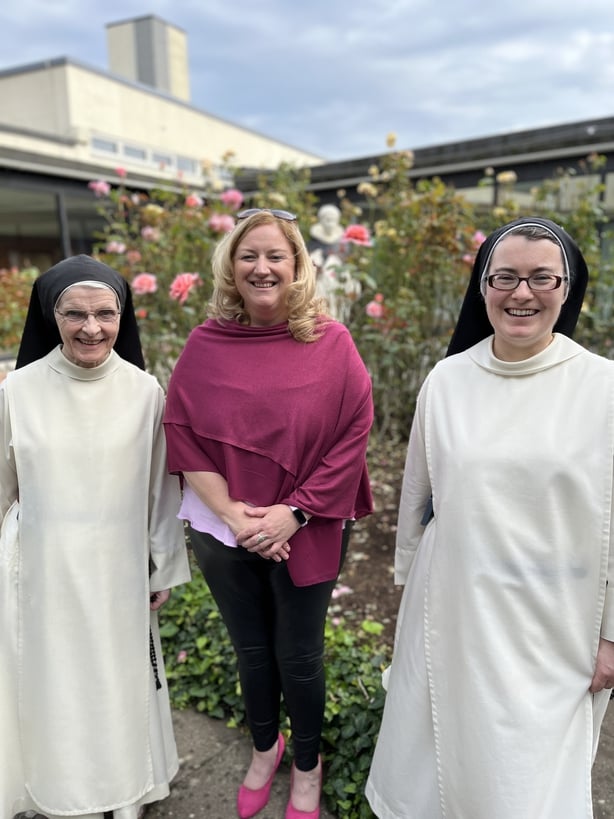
{"type": "Point", "coordinates": [277, 630]}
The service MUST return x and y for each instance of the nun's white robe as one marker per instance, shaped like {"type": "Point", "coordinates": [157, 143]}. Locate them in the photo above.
{"type": "Point", "coordinates": [488, 713]}
{"type": "Point", "coordinates": [89, 530]}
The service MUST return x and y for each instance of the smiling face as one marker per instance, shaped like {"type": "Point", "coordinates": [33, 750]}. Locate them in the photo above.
{"type": "Point", "coordinates": [522, 318]}
{"type": "Point", "coordinates": [264, 266]}
{"type": "Point", "coordinates": [89, 343]}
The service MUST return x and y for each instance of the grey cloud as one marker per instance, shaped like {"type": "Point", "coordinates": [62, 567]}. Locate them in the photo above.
{"type": "Point", "coordinates": [335, 77]}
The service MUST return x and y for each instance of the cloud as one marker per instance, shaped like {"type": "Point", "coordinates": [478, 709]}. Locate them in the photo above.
{"type": "Point", "coordinates": [335, 77]}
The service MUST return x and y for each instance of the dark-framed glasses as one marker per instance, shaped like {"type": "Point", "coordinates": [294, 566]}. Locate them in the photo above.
{"type": "Point", "coordinates": [538, 281]}
{"type": "Point", "coordinates": [104, 316]}
{"type": "Point", "coordinates": [280, 214]}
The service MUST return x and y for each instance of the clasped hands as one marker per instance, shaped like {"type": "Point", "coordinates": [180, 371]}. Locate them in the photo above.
{"type": "Point", "coordinates": [266, 530]}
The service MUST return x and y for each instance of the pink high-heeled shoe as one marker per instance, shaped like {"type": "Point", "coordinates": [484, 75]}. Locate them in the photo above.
{"type": "Point", "coordinates": [249, 801]}
{"type": "Point", "coordinates": [294, 813]}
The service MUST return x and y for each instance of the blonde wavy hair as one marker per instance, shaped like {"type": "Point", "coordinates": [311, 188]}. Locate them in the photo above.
{"type": "Point", "coordinates": [306, 312]}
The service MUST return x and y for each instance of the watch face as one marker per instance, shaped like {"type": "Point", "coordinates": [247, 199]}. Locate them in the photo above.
{"type": "Point", "coordinates": [300, 517]}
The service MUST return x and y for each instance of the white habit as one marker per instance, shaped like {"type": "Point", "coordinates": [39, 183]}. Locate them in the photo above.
{"type": "Point", "coordinates": [83, 729]}
{"type": "Point", "coordinates": [488, 713]}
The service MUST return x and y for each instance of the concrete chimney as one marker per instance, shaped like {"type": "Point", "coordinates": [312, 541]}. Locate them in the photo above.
{"type": "Point", "coordinates": [150, 51]}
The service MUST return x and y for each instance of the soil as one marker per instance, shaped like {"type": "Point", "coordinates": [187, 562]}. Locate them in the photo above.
{"type": "Point", "coordinates": [366, 589]}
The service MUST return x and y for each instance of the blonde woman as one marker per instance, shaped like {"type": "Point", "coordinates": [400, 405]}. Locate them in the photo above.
{"type": "Point", "coordinates": [268, 416]}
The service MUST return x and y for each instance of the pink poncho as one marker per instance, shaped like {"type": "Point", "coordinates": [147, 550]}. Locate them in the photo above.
{"type": "Point", "coordinates": [283, 422]}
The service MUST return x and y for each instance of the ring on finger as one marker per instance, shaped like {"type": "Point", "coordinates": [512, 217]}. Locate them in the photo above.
{"type": "Point", "coordinates": [261, 538]}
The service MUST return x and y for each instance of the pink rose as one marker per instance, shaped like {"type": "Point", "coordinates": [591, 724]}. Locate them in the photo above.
{"type": "Point", "coordinates": [181, 286]}
{"type": "Point", "coordinates": [182, 657]}
{"type": "Point", "coordinates": [115, 247]}
{"type": "Point", "coordinates": [100, 187]}
{"type": "Point", "coordinates": [232, 198]}
{"type": "Point", "coordinates": [150, 234]}
{"type": "Point", "coordinates": [193, 200]}
{"type": "Point", "coordinates": [221, 222]}
{"type": "Point", "coordinates": [375, 309]}
{"type": "Point", "coordinates": [133, 256]}
{"type": "Point", "coordinates": [121, 172]}
{"type": "Point", "coordinates": [144, 283]}
{"type": "Point", "coordinates": [357, 235]}
{"type": "Point", "coordinates": [478, 239]}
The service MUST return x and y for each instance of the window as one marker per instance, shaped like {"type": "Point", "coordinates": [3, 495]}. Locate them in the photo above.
{"type": "Point", "coordinates": [135, 153]}
{"type": "Point", "coordinates": [106, 145]}
{"type": "Point", "coordinates": [184, 163]}
{"type": "Point", "coordinates": [162, 160]}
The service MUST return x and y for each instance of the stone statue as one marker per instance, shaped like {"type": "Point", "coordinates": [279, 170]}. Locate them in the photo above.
{"type": "Point", "coordinates": [327, 230]}
{"type": "Point", "coordinates": [334, 281]}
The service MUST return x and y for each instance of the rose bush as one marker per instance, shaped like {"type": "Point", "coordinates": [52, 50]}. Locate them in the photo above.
{"type": "Point", "coordinates": [15, 288]}
{"type": "Point", "coordinates": [161, 242]}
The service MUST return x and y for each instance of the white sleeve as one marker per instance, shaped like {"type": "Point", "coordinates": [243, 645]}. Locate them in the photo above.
{"type": "Point", "coordinates": [607, 622]}
{"type": "Point", "coordinates": [8, 470]}
{"type": "Point", "coordinates": [415, 494]}
{"type": "Point", "coordinates": [168, 552]}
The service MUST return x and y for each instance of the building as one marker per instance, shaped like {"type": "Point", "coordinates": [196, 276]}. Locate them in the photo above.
{"type": "Point", "coordinates": [474, 167]}
{"type": "Point", "coordinates": [63, 123]}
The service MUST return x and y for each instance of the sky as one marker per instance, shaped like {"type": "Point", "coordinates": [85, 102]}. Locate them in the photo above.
{"type": "Point", "coordinates": [335, 77]}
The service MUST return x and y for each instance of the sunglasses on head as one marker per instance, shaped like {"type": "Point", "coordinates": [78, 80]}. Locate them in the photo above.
{"type": "Point", "coordinates": [280, 214]}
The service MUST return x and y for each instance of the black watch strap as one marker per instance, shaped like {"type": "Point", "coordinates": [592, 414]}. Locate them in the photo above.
{"type": "Point", "coordinates": [300, 517]}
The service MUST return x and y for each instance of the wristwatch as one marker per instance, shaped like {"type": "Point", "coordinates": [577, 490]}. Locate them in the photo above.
{"type": "Point", "coordinates": [300, 517]}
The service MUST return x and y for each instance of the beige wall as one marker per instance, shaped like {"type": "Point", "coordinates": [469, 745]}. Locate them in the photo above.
{"type": "Point", "coordinates": [75, 102]}
{"type": "Point", "coordinates": [36, 100]}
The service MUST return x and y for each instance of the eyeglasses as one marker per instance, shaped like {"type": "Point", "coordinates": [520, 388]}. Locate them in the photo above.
{"type": "Point", "coordinates": [81, 316]}
{"type": "Point", "coordinates": [538, 281]}
{"type": "Point", "coordinates": [280, 214]}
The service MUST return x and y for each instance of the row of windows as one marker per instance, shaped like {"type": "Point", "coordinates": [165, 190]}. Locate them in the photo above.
{"type": "Point", "coordinates": [153, 158]}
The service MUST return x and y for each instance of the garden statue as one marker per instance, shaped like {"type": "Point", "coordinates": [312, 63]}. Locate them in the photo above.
{"type": "Point", "coordinates": [334, 282]}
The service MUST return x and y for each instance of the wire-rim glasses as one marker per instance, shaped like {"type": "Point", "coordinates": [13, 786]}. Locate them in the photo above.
{"type": "Point", "coordinates": [280, 214]}
{"type": "Point", "coordinates": [541, 282]}
{"type": "Point", "coordinates": [104, 316]}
